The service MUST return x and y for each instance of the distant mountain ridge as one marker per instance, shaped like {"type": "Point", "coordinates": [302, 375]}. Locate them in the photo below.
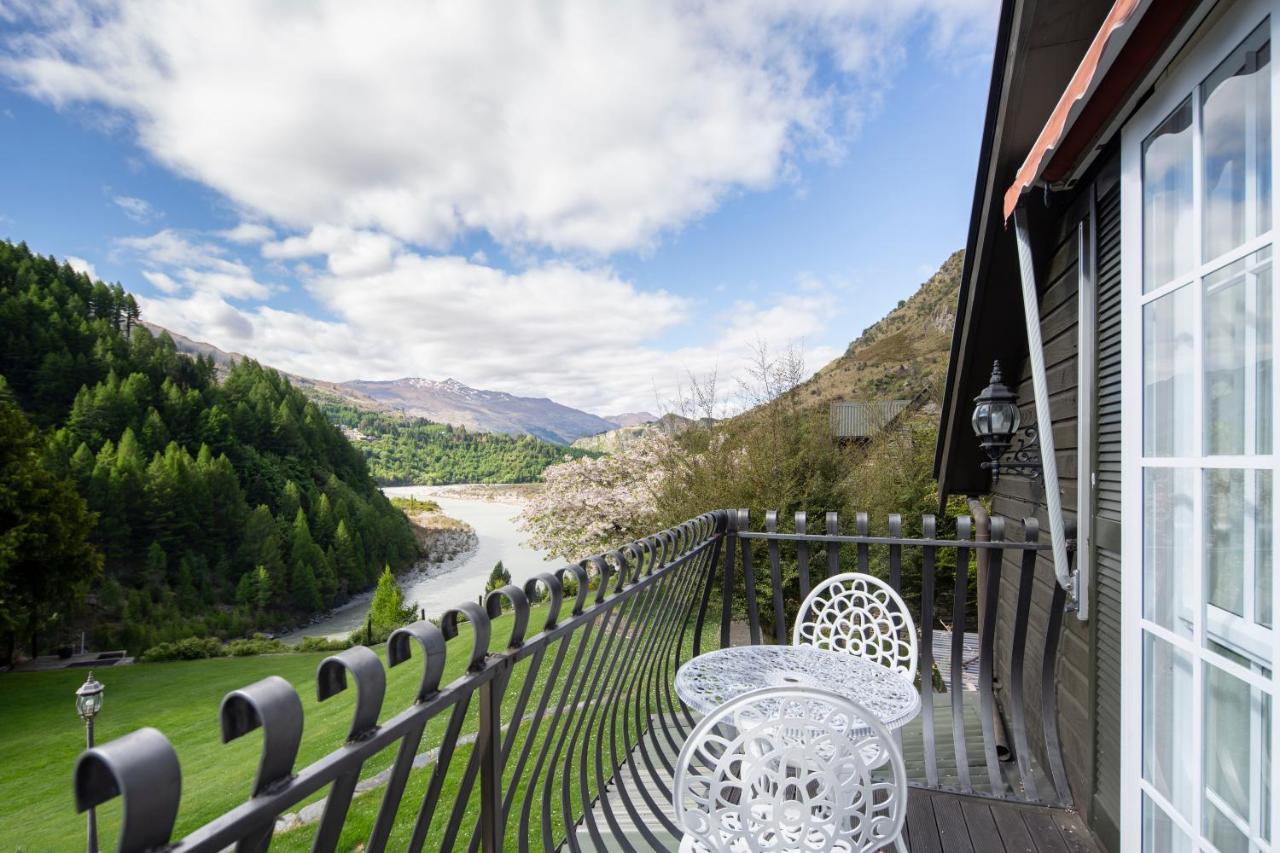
{"type": "Point", "coordinates": [630, 419]}
{"type": "Point", "coordinates": [445, 401]}
{"type": "Point", "coordinates": [617, 439]}
{"type": "Point", "coordinates": [452, 402]}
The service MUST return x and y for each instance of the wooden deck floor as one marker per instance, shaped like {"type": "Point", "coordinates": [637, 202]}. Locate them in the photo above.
{"type": "Point", "coordinates": [950, 823]}
{"type": "Point", "coordinates": [937, 822]}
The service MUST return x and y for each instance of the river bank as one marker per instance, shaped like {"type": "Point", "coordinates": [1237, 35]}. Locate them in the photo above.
{"type": "Point", "coordinates": [475, 528]}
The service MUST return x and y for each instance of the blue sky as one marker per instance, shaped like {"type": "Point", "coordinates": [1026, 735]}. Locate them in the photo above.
{"type": "Point", "coordinates": [585, 201]}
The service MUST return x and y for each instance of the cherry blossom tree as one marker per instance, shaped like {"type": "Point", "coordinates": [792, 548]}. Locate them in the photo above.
{"type": "Point", "coordinates": [591, 505]}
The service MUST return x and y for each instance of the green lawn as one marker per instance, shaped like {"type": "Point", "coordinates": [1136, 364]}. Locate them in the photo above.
{"type": "Point", "coordinates": [40, 737]}
{"type": "Point", "coordinates": [40, 734]}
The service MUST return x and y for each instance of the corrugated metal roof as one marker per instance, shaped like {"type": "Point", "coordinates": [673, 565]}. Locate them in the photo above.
{"type": "Point", "coordinates": [863, 420]}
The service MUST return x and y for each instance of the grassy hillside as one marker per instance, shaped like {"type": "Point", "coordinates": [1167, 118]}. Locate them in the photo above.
{"type": "Point", "coordinates": [900, 356]}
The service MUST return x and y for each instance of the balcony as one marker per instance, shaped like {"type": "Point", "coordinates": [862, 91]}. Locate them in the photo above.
{"type": "Point", "coordinates": [566, 736]}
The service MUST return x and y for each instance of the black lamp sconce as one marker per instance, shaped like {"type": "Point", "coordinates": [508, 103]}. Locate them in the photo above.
{"type": "Point", "coordinates": [1010, 447]}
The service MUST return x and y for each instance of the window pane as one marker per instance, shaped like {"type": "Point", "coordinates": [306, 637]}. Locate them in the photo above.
{"type": "Point", "coordinates": [1159, 833]}
{"type": "Point", "coordinates": [1168, 235]}
{"type": "Point", "coordinates": [1236, 115]}
{"type": "Point", "coordinates": [1167, 763]}
{"type": "Point", "coordinates": [1237, 357]}
{"type": "Point", "coordinates": [1168, 374]}
{"type": "Point", "coordinates": [1238, 558]}
{"type": "Point", "coordinates": [1168, 565]}
{"type": "Point", "coordinates": [1237, 728]}
{"type": "Point", "coordinates": [1262, 539]}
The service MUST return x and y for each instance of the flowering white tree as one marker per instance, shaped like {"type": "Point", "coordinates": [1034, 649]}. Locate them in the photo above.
{"type": "Point", "coordinates": [591, 505]}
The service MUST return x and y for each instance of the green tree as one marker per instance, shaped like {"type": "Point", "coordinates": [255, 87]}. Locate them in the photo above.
{"type": "Point", "coordinates": [166, 452]}
{"type": "Point", "coordinates": [46, 560]}
{"type": "Point", "coordinates": [387, 611]}
{"type": "Point", "coordinates": [498, 577]}
{"type": "Point", "coordinates": [260, 549]}
{"type": "Point", "coordinates": [303, 589]}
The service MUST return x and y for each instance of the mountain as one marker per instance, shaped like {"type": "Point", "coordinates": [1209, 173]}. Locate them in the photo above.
{"type": "Point", "coordinates": [630, 419]}
{"type": "Point", "coordinates": [452, 402]}
{"type": "Point", "coordinates": [902, 355]}
{"type": "Point", "coordinates": [318, 389]}
{"type": "Point", "coordinates": [447, 402]}
{"type": "Point", "coordinates": [616, 439]}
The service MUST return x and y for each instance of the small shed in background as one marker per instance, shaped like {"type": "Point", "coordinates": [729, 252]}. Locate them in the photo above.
{"type": "Point", "coordinates": [859, 421]}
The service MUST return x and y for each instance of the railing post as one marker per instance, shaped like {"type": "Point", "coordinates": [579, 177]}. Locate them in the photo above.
{"type": "Point", "coordinates": [730, 548]}
{"type": "Point", "coordinates": [492, 821]}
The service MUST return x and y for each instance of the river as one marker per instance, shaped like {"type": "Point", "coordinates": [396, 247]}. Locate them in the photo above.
{"type": "Point", "coordinates": [437, 588]}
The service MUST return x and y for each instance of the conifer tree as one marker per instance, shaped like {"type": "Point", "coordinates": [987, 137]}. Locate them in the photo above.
{"type": "Point", "coordinates": [387, 611]}
{"type": "Point", "coordinates": [303, 591]}
{"type": "Point", "coordinates": [261, 549]}
{"type": "Point", "coordinates": [498, 577]}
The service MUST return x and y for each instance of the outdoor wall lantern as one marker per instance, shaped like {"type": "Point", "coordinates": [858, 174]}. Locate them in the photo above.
{"type": "Point", "coordinates": [88, 704]}
{"type": "Point", "coordinates": [1010, 447]}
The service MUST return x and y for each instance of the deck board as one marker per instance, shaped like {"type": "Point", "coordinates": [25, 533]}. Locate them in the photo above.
{"type": "Point", "coordinates": [940, 822]}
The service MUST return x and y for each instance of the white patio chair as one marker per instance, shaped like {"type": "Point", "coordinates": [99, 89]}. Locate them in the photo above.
{"type": "Point", "coordinates": [860, 615]}
{"type": "Point", "coordinates": [784, 769]}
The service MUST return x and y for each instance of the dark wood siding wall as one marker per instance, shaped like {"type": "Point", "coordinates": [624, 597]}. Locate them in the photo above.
{"type": "Point", "coordinates": [1017, 498]}
{"type": "Point", "coordinates": [1089, 669]}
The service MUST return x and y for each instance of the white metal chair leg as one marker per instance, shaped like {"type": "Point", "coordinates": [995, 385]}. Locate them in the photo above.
{"type": "Point", "coordinates": [899, 845]}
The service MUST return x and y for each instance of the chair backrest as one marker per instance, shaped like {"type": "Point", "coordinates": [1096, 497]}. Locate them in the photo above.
{"type": "Point", "coordinates": [790, 769]}
{"type": "Point", "coordinates": [861, 615]}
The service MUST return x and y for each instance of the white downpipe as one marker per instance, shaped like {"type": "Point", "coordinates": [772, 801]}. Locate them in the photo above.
{"type": "Point", "coordinates": [1044, 421]}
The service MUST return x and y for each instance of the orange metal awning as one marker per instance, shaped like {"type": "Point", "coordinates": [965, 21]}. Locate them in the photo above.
{"type": "Point", "coordinates": [1105, 46]}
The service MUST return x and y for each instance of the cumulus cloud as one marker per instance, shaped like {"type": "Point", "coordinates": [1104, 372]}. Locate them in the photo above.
{"type": "Point", "coordinates": [573, 125]}
{"type": "Point", "coordinates": [82, 266]}
{"type": "Point", "coordinates": [360, 143]}
{"type": "Point", "coordinates": [137, 209]}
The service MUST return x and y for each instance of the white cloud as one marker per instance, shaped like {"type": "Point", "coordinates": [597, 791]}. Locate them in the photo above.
{"type": "Point", "coordinates": [350, 252]}
{"type": "Point", "coordinates": [574, 125]}
{"type": "Point", "coordinates": [581, 336]}
{"type": "Point", "coordinates": [161, 281]}
{"type": "Point", "coordinates": [248, 232]}
{"type": "Point", "coordinates": [171, 260]}
{"type": "Point", "coordinates": [367, 134]}
{"type": "Point", "coordinates": [82, 266]}
{"type": "Point", "coordinates": [137, 209]}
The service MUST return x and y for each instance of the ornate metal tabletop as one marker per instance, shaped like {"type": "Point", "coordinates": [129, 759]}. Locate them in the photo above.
{"type": "Point", "coordinates": [710, 680]}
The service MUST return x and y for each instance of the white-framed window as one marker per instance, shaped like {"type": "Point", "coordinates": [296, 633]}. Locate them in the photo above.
{"type": "Point", "coordinates": [1199, 465]}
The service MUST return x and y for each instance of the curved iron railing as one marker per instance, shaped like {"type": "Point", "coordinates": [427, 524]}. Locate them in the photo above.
{"type": "Point", "coordinates": [568, 738]}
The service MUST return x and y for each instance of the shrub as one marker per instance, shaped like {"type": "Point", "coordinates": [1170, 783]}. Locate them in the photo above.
{"type": "Point", "coordinates": [191, 648]}
{"type": "Point", "coordinates": [258, 645]}
{"type": "Point", "coordinates": [321, 644]}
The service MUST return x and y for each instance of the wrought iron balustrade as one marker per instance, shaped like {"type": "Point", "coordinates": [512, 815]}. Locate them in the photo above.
{"type": "Point", "coordinates": [567, 738]}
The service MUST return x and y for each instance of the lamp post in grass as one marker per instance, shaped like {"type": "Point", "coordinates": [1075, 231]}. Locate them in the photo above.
{"type": "Point", "coordinates": [88, 704]}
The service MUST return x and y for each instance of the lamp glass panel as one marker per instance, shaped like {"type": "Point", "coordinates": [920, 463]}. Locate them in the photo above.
{"type": "Point", "coordinates": [982, 419]}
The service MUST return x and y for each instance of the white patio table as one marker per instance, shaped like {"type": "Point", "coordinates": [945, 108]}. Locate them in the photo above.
{"type": "Point", "coordinates": [710, 680]}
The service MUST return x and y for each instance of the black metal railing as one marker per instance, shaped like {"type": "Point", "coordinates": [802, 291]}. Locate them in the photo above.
{"type": "Point", "coordinates": [568, 738]}
{"type": "Point", "coordinates": [987, 733]}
